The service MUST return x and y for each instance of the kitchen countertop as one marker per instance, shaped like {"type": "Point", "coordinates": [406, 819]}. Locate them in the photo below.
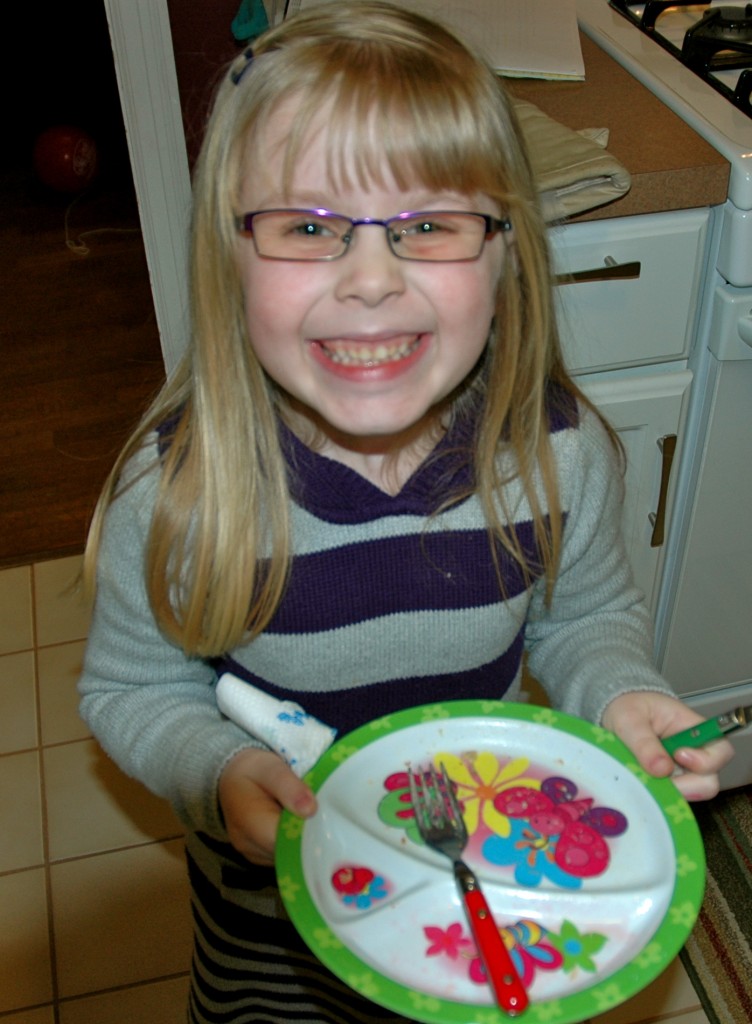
{"type": "Point", "coordinates": [672, 167]}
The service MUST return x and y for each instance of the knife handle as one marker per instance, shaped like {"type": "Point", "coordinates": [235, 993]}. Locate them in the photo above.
{"type": "Point", "coordinates": [500, 970]}
{"type": "Point", "coordinates": [696, 736]}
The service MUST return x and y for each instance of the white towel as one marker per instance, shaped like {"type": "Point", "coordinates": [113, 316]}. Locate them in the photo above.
{"type": "Point", "coordinates": [573, 171]}
{"type": "Point", "coordinates": [284, 726]}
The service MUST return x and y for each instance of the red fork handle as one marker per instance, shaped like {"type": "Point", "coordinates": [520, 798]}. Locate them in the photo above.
{"type": "Point", "coordinates": [500, 970]}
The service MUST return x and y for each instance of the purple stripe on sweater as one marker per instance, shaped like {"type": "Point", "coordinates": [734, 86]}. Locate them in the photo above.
{"type": "Point", "coordinates": [347, 709]}
{"type": "Point", "coordinates": [335, 493]}
{"type": "Point", "coordinates": [413, 572]}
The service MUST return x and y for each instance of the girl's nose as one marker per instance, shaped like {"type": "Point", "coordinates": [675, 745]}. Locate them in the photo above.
{"type": "Point", "coordinates": [369, 271]}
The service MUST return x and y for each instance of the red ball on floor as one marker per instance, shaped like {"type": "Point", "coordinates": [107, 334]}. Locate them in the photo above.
{"type": "Point", "coordinates": [65, 159]}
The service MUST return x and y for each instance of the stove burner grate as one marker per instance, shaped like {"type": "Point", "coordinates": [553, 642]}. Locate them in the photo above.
{"type": "Point", "coordinates": [721, 40]}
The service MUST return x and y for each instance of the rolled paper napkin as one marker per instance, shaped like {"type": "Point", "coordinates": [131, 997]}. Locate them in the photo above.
{"type": "Point", "coordinates": [284, 726]}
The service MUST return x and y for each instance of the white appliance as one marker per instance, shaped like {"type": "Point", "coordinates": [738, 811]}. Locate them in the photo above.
{"type": "Point", "coordinates": [704, 607]}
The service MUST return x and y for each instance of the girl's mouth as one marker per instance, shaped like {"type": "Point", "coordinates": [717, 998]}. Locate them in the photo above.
{"type": "Point", "coordinates": [369, 354]}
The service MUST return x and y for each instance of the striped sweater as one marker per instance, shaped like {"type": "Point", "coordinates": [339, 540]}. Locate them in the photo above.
{"type": "Point", "coordinates": [390, 604]}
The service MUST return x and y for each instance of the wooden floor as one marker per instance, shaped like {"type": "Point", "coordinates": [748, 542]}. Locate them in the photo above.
{"type": "Point", "coordinates": [79, 359]}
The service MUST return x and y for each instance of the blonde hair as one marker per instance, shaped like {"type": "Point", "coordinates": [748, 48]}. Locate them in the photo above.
{"type": "Point", "coordinates": [429, 110]}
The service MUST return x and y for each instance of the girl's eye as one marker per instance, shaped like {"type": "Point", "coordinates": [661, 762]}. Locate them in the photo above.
{"type": "Point", "coordinates": [428, 226]}
{"type": "Point", "coordinates": [422, 227]}
{"type": "Point", "coordinates": [311, 228]}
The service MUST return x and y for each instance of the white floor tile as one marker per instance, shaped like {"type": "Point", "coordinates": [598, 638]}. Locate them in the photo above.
{"type": "Point", "coordinates": [694, 1017]}
{"type": "Point", "coordinates": [121, 918]}
{"type": "Point", "coordinates": [25, 968]}
{"type": "Point", "coordinates": [18, 703]}
{"type": "Point", "coordinates": [92, 806]}
{"type": "Point", "coordinates": [162, 1001]}
{"type": "Point", "coordinates": [61, 613]}
{"type": "Point", "coordinates": [21, 843]}
{"type": "Point", "coordinates": [16, 627]}
{"type": "Point", "coordinates": [58, 669]}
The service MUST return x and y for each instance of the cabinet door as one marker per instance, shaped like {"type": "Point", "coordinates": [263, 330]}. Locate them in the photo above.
{"type": "Point", "coordinates": [633, 287]}
{"type": "Point", "coordinates": [644, 410]}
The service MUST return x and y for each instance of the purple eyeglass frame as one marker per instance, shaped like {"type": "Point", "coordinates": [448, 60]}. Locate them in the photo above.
{"type": "Point", "coordinates": [244, 223]}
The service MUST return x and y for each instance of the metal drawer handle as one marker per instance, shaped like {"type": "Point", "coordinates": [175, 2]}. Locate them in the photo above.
{"type": "Point", "coordinates": [657, 519]}
{"type": "Point", "coordinates": [610, 271]}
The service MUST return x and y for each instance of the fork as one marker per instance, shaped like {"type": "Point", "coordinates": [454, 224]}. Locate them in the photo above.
{"type": "Point", "coordinates": [441, 826]}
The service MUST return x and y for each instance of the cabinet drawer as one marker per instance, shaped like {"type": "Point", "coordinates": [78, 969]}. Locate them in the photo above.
{"type": "Point", "coordinates": [648, 315]}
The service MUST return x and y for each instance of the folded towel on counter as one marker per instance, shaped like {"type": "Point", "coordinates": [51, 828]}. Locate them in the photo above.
{"type": "Point", "coordinates": [298, 738]}
{"type": "Point", "coordinates": [574, 171]}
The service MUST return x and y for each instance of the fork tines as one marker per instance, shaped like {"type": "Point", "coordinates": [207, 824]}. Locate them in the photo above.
{"type": "Point", "coordinates": [434, 798]}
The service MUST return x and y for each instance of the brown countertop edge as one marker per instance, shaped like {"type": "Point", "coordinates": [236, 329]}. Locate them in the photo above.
{"type": "Point", "coordinates": [672, 167]}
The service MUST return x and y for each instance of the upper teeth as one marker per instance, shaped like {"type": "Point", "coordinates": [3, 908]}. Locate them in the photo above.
{"type": "Point", "coordinates": [365, 355]}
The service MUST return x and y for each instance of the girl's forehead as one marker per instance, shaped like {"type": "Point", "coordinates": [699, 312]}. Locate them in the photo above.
{"type": "Point", "coordinates": [329, 145]}
{"type": "Point", "coordinates": [321, 153]}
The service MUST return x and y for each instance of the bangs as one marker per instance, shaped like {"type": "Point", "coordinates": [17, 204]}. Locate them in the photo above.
{"type": "Point", "coordinates": [427, 122]}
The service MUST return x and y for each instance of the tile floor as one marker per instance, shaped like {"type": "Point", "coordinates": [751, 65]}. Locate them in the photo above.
{"type": "Point", "coordinates": [94, 924]}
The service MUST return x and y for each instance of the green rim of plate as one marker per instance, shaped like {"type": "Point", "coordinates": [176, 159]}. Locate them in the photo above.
{"type": "Point", "coordinates": [605, 993]}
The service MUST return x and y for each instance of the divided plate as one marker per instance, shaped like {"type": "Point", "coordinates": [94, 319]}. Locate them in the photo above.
{"type": "Point", "coordinates": [594, 870]}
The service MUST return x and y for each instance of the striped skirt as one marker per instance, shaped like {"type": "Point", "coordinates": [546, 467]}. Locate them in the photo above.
{"type": "Point", "coordinates": [249, 963]}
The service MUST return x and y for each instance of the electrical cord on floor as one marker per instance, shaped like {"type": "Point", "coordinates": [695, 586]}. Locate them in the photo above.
{"type": "Point", "coordinates": [77, 244]}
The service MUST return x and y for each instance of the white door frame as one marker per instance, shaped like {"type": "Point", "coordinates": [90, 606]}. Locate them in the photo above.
{"type": "Point", "coordinates": [148, 85]}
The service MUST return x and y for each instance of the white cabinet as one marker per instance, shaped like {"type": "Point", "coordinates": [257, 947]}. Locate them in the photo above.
{"type": "Point", "coordinates": [636, 283]}
{"type": "Point", "coordinates": [647, 412]}
{"type": "Point", "coordinates": [627, 316]}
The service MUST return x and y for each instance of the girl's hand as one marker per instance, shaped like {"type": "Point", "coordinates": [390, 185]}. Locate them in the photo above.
{"type": "Point", "coordinates": [253, 788]}
{"type": "Point", "coordinates": [641, 719]}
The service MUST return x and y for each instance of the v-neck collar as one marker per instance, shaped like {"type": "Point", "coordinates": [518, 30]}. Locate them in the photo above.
{"type": "Point", "coordinates": [337, 493]}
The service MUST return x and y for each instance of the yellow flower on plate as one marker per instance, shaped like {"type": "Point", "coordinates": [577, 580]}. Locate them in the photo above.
{"type": "Point", "coordinates": [480, 777]}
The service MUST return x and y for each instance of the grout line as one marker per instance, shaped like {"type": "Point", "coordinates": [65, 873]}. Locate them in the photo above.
{"type": "Point", "coordinates": [14, 753]}
{"type": "Point", "coordinates": [60, 643]}
{"type": "Point", "coordinates": [111, 990]}
{"type": "Point", "coordinates": [33, 592]}
{"type": "Point", "coordinates": [45, 817]}
{"type": "Point", "coordinates": [90, 855]}
{"type": "Point", "coordinates": [14, 1014]}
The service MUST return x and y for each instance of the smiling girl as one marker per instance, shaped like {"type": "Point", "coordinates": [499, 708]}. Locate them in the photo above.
{"type": "Point", "coordinates": [371, 483]}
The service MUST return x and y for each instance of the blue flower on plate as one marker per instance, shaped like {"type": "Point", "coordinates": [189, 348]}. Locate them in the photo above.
{"type": "Point", "coordinates": [532, 855]}
{"type": "Point", "coordinates": [375, 890]}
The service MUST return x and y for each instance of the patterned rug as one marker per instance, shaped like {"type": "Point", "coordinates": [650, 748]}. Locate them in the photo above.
{"type": "Point", "coordinates": [718, 955]}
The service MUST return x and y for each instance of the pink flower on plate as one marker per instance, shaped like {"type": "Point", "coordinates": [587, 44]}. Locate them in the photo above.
{"type": "Point", "coordinates": [480, 776]}
{"type": "Point", "coordinates": [452, 942]}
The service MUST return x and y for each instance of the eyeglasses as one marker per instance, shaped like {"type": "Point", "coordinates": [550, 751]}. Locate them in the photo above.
{"type": "Point", "coordinates": [439, 236]}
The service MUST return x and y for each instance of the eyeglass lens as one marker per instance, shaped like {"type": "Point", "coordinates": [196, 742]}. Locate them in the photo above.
{"type": "Point", "coordinates": [317, 235]}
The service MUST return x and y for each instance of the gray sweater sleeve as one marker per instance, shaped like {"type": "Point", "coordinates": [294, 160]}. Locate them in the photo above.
{"type": "Point", "coordinates": [595, 641]}
{"type": "Point", "coordinates": [152, 708]}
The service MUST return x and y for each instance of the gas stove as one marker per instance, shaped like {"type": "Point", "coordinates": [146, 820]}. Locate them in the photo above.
{"type": "Point", "coordinates": [648, 39]}
{"type": "Point", "coordinates": [712, 40]}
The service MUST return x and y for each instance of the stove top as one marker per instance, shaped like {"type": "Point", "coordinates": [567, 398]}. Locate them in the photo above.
{"type": "Point", "coordinates": [712, 40]}
{"type": "Point", "coordinates": [704, 106]}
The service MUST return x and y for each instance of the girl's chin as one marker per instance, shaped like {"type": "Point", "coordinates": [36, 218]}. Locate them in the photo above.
{"type": "Point", "coordinates": [381, 433]}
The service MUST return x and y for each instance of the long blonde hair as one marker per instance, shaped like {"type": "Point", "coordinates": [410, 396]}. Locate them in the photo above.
{"type": "Point", "coordinates": [219, 546]}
